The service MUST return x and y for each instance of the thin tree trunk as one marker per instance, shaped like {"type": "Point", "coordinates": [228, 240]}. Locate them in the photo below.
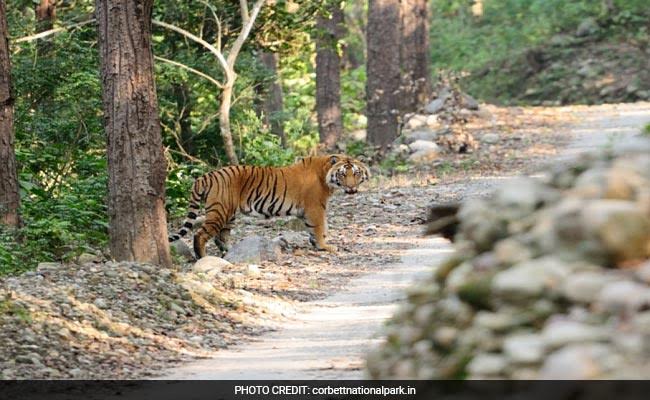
{"type": "Point", "coordinates": [224, 122]}
{"type": "Point", "coordinates": [9, 195]}
{"type": "Point", "coordinates": [184, 107]}
{"type": "Point", "coordinates": [273, 100]}
{"type": "Point", "coordinates": [328, 76]}
{"type": "Point", "coordinates": [414, 57]}
{"type": "Point", "coordinates": [383, 70]}
{"type": "Point", "coordinates": [136, 164]}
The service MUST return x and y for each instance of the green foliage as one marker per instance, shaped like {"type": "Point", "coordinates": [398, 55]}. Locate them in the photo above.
{"type": "Point", "coordinates": [494, 50]}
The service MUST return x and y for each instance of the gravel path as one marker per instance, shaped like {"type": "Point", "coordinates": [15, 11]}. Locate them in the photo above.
{"type": "Point", "coordinates": [330, 337]}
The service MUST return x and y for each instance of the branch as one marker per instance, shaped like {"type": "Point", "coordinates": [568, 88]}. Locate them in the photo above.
{"type": "Point", "coordinates": [216, 19]}
{"type": "Point", "coordinates": [227, 69]}
{"type": "Point", "coordinates": [243, 7]}
{"type": "Point", "coordinates": [246, 29]}
{"type": "Point", "coordinates": [188, 68]}
{"type": "Point", "coordinates": [49, 32]}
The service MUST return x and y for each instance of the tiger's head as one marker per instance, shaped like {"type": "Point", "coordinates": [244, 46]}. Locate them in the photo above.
{"type": "Point", "coordinates": [344, 172]}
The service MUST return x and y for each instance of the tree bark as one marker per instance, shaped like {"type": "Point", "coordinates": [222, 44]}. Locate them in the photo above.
{"type": "Point", "coordinates": [414, 55]}
{"type": "Point", "coordinates": [329, 29]}
{"type": "Point", "coordinates": [136, 164]}
{"type": "Point", "coordinates": [224, 122]}
{"type": "Point", "coordinates": [9, 194]}
{"type": "Point", "coordinates": [273, 105]}
{"type": "Point", "coordinates": [383, 70]}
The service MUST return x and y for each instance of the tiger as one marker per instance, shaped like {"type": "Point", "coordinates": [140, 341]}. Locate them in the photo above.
{"type": "Point", "coordinates": [301, 190]}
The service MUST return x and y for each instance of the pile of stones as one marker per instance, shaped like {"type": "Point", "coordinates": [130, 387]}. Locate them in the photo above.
{"type": "Point", "coordinates": [550, 279]}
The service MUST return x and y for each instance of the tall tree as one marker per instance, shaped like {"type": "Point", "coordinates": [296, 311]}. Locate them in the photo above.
{"type": "Point", "coordinates": [227, 64]}
{"type": "Point", "coordinates": [329, 30]}
{"type": "Point", "coordinates": [414, 55]}
{"type": "Point", "coordinates": [273, 105]}
{"type": "Point", "coordinates": [9, 195]}
{"type": "Point", "coordinates": [383, 71]}
{"type": "Point", "coordinates": [136, 164]}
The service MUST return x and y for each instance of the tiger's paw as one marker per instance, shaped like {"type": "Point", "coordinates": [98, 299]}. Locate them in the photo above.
{"type": "Point", "coordinates": [327, 247]}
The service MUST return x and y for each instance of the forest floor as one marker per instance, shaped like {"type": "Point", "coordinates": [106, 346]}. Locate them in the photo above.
{"type": "Point", "coordinates": [307, 314]}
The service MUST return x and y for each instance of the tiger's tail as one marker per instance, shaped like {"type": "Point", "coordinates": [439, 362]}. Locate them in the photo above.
{"type": "Point", "coordinates": [197, 197]}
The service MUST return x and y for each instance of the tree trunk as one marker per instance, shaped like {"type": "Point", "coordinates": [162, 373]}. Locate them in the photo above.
{"type": "Point", "coordinates": [273, 100]}
{"type": "Point", "coordinates": [224, 121]}
{"type": "Point", "coordinates": [45, 16]}
{"type": "Point", "coordinates": [414, 57]}
{"type": "Point", "coordinates": [184, 107]}
{"type": "Point", "coordinates": [136, 164]}
{"type": "Point", "coordinates": [383, 70]}
{"type": "Point", "coordinates": [328, 76]}
{"type": "Point", "coordinates": [9, 195]}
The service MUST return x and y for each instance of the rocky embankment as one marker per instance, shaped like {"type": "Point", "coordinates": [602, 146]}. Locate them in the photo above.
{"type": "Point", "coordinates": [550, 279]}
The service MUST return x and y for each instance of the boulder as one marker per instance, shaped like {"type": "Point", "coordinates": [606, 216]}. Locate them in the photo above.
{"type": "Point", "coordinates": [254, 250]}
{"type": "Point", "coordinates": [588, 26]}
{"type": "Point", "coordinates": [490, 138]}
{"type": "Point", "coordinates": [210, 265]}
{"type": "Point", "coordinates": [182, 249]}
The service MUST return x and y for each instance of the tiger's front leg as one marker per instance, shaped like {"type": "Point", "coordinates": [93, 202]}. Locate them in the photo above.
{"type": "Point", "coordinates": [315, 219]}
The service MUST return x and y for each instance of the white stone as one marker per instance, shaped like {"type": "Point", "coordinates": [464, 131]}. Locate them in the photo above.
{"type": "Point", "coordinates": [623, 297]}
{"type": "Point", "coordinates": [524, 348]}
{"type": "Point", "coordinates": [558, 333]}
{"type": "Point", "coordinates": [584, 286]}
{"type": "Point", "coordinates": [490, 138]}
{"type": "Point", "coordinates": [420, 145]}
{"type": "Point", "coordinates": [574, 363]}
{"type": "Point", "coordinates": [530, 278]}
{"type": "Point", "coordinates": [485, 364]}
{"type": "Point", "coordinates": [210, 265]}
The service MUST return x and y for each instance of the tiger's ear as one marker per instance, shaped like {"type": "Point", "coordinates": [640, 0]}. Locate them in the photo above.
{"type": "Point", "coordinates": [334, 160]}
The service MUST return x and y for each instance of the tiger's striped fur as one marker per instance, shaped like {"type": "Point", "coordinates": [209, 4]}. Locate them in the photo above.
{"type": "Point", "coordinates": [301, 189]}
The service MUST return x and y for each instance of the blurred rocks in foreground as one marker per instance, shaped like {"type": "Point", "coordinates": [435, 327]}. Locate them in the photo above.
{"type": "Point", "coordinates": [550, 279]}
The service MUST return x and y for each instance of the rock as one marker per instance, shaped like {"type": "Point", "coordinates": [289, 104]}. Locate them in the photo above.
{"type": "Point", "coordinates": [48, 266]}
{"type": "Point", "coordinates": [521, 196]}
{"type": "Point", "coordinates": [359, 135]}
{"type": "Point", "coordinates": [623, 297]}
{"type": "Point", "coordinates": [424, 152]}
{"type": "Point", "coordinates": [490, 138]}
{"type": "Point", "coordinates": [425, 134]}
{"type": "Point", "coordinates": [584, 286]}
{"type": "Point", "coordinates": [436, 105]}
{"type": "Point", "coordinates": [574, 362]}
{"type": "Point", "coordinates": [210, 265]}
{"type": "Point", "coordinates": [75, 373]}
{"type": "Point", "coordinates": [416, 121]}
{"type": "Point", "coordinates": [254, 250]}
{"type": "Point", "coordinates": [510, 251]}
{"type": "Point", "coordinates": [588, 26]}
{"type": "Point", "coordinates": [485, 364]}
{"type": "Point", "coordinates": [420, 145]}
{"type": "Point", "coordinates": [558, 333]}
{"type": "Point", "coordinates": [100, 303]}
{"type": "Point", "coordinates": [182, 249]}
{"type": "Point", "coordinates": [469, 102]}
{"type": "Point", "coordinates": [530, 278]}
{"type": "Point", "coordinates": [622, 228]}
{"type": "Point", "coordinates": [253, 270]}
{"type": "Point", "coordinates": [524, 348]}
{"type": "Point", "coordinates": [497, 322]}
{"type": "Point", "coordinates": [176, 308]}
{"type": "Point", "coordinates": [292, 239]}
{"type": "Point", "coordinates": [433, 122]}
{"type": "Point", "coordinates": [86, 258]}
{"type": "Point", "coordinates": [643, 272]}
{"type": "Point", "coordinates": [445, 336]}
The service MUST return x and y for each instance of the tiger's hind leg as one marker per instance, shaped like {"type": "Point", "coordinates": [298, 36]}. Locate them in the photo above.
{"type": "Point", "coordinates": [212, 227]}
{"type": "Point", "coordinates": [221, 240]}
